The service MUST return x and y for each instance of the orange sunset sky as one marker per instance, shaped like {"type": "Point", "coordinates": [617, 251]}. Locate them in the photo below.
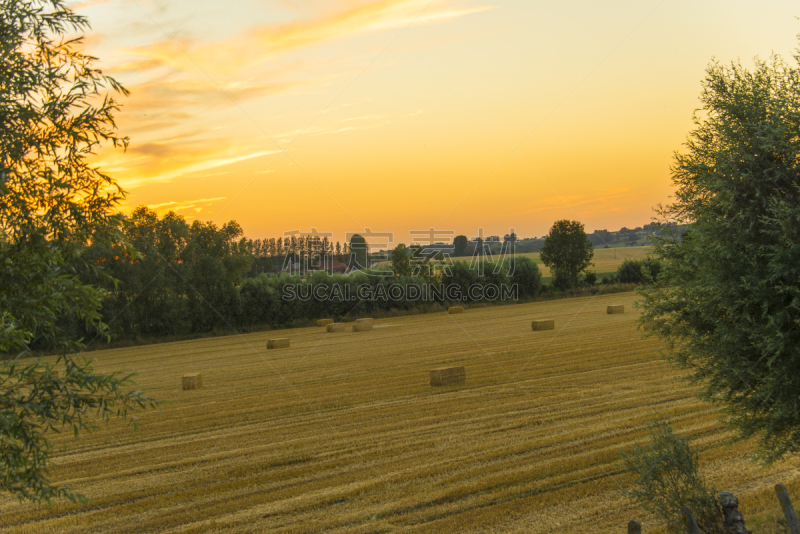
{"type": "Point", "coordinates": [400, 115]}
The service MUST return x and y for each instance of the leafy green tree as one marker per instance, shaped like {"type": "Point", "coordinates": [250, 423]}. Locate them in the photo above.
{"type": "Point", "coordinates": [460, 244]}
{"type": "Point", "coordinates": [642, 271]}
{"type": "Point", "coordinates": [358, 252]}
{"type": "Point", "coordinates": [727, 301]}
{"type": "Point", "coordinates": [401, 260]}
{"type": "Point", "coordinates": [462, 276]}
{"type": "Point", "coordinates": [53, 114]}
{"type": "Point", "coordinates": [527, 276]}
{"type": "Point", "coordinates": [567, 251]}
{"type": "Point", "coordinates": [215, 261]}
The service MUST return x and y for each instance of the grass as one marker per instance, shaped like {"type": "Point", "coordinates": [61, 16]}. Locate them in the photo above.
{"type": "Point", "coordinates": [342, 433]}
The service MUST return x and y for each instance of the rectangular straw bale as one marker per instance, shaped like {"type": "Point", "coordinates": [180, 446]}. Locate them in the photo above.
{"type": "Point", "coordinates": [543, 325]}
{"type": "Point", "coordinates": [278, 343]}
{"type": "Point", "coordinates": [448, 376]}
{"type": "Point", "coordinates": [324, 322]}
{"type": "Point", "coordinates": [615, 309]}
{"type": "Point", "coordinates": [336, 327]}
{"type": "Point", "coordinates": [362, 327]}
{"type": "Point", "coordinates": [193, 381]}
{"type": "Point", "coordinates": [364, 320]}
{"type": "Point", "coordinates": [455, 309]}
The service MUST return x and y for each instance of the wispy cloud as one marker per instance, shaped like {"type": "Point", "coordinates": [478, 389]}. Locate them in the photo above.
{"type": "Point", "coordinates": [353, 20]}
{"type": "Point", "coordinates": [183, 167]}
{"type": "Point", "coordinates": [364, 118]}
{"type": "Point", "coordinates": [176, 206]}
{"type": "Point", "coordinates": [264, 43]}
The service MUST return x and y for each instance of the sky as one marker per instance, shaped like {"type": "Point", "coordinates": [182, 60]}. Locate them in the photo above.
{"type": "Point", "coordinates": [404, 115]}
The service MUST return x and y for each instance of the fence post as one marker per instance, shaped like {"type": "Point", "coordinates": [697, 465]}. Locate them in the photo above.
{"type": "Point", "coordinates": [788, 510]}
{"type": "Point", "coordinates": [634, 527]}
{"type": "Point", "coordinates": [689, 521]}
{"type": "Point", "coordinates": [734, 522]}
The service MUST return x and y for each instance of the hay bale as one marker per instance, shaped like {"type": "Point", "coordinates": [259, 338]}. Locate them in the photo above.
{"type": "Point", "coordinates": [543, 325]}
{"type": "Point", "coordinates": [615, 309]}
{"type": "Point", "coordinates": [455, 309]}
{"type": "Point", "coordinates": [278, 343]}
{"type": "Point", "coordinates": [364, 320]}
{"type": "Point", "coordinates": [336, 327]}
{"type": "Point", "coordinates": [448, 376]}
{"type": "Point", "coordinates": [362, 327]}
{"type": "Point", "coordinates": [194, 381]}
{"type": "Point", "coordinates": [324, 322]}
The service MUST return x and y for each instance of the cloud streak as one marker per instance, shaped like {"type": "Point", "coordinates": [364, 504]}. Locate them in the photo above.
{"type": "Point", "coordinates": [202, 165]}
{"type": "Point", "coordinates": [268, 42]}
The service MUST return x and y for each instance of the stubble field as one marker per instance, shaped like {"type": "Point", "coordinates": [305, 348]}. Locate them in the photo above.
{"type": "Point", "coordinates": [342, 432]}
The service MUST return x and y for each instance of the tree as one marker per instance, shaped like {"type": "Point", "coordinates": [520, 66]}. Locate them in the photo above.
{"type": "Point", "coordinates": [53, 114]}
{"type": "Point", "coordinates": [527, 276]}
{"type": "Point", "coordinates": [401, 260]}
{"type": "Point", "coordinates": [460, 244]}
{"type": "Point", "coordinates": [727, 300]}
{"type": "Point", "coordinates": [642, 271]}
{"type": "Point", "coordinates": [567, 251]}
{"type": "Point", "coordinates": [358, 252]}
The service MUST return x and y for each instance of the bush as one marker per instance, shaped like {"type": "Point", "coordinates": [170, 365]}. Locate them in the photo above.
{"type": "Point", "coordinates": [561, 280]}
{"type": "Point", "coordinates": [527, 276]}
{"type": "Point", "coordinates": [667, 478]}
{"type": "Point", "coordinates": [643, 271]}
{"type": "Point", "coordinates": [590, 279]}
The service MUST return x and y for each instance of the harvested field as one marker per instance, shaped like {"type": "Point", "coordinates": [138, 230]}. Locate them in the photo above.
{"type": "Point", "coordinates": [345, 434]}
{"type": "Point", "coordinates": [325, 322]}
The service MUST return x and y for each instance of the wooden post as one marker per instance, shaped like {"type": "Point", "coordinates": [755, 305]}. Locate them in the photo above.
{"type": "Point", "coordinates": [634, 527]}
{"type": "Point", "coordinates": [734, 522]}
{"type": "Point", "coordinates": [689, 521]}
{"type": "Point", "coordinates": [788, 510]}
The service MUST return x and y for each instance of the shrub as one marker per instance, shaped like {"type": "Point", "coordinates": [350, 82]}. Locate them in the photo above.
{"type": "Point", "coordinates": [527, 276]}
{"type": "Point", "coordinates": [561, 280]}
{"type": "Point", "coordinates": [667, 478]}
{"type": "Point", "coordinates": [639, 271]}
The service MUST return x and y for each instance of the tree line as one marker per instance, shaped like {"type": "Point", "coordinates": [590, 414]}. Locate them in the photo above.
{"type": "Point", "coordinates": [166, 276]}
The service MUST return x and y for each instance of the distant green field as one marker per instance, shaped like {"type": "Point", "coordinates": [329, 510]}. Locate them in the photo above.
{"type": "Point", "coordinates": [606, 260]}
